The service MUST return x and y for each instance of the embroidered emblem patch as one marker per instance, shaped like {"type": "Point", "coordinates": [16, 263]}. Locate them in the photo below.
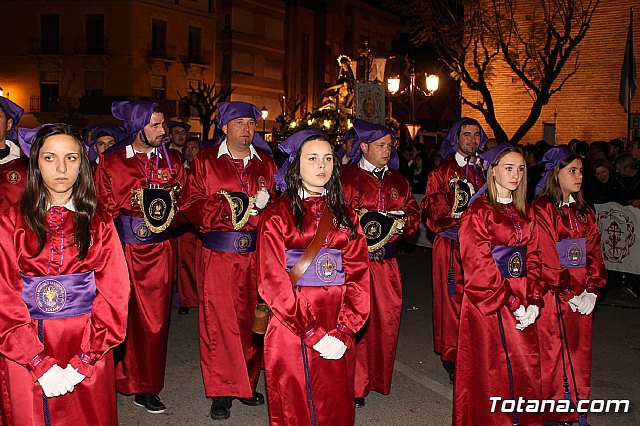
{"type": "Point", "coordinates": [574, 254]}
{"type": "Point", "coordinates": [13, 177]}
{"type": "Point", "coordinates": [142, 231]}
{"type": "Point", "coordinates": [394, 193]}
{"type": "Point", "coordinates": [326, 268]}
{"type": "Point", "coordinates": [243, 242]}
{"type": "Point", "coordinates": [157, 209]}
{"type": "Point", "coordinates": [515, 265]}
{"type": "Point", "coordinates": [50, 296]}
{"type": "Point", "coordinates": [372, 230]}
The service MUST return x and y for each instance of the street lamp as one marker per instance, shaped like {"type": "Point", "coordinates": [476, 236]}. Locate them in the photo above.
{"type": "Point", "coordinates": [1, 91]}
{"type": "Point", "coordinates": [265, 114]}
{"type": "Point", "coordinates": [431, 82]}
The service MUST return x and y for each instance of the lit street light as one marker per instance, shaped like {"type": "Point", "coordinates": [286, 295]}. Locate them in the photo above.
{"type": "Point", "coordinates": [431, 83]}
{"type": "Point", "coordinates": [265, 114]}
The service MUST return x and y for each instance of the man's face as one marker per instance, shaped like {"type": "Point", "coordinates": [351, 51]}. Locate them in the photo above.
{"type": "Point", "coordinates": [103, 143]}
{"type": "Point", "coordinates": [178, 136]}
{"type": "Point", "coordinates": [240, 133]}
{"type": "Point", "coordinates": [469, 139]}
{"type": "Point", "coordinates": [5, 125]}
{"type": "Point", "coordinates": [191, 149]}
{"type": "Point", "coordinates": [378, 152]}
{"type": "Point", "coordinates": [624, 171]}
{"type": "Point", "coordinates": [154, 131]}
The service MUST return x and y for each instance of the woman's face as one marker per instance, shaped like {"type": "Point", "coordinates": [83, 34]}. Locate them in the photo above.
{"type": "Point", "coordinates": [508, 173]}
{"type": "Point", "coordinates": [59, 163]}
{"type": "Point", "coordinates": [570, 177]}
{"type": "Point", "coordinates": [316, 164]}
{"type": "Point", "coordinates": [602, 174]}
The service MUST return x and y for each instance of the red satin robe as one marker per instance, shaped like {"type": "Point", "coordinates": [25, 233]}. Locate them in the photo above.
{"type": "Point", "coordinates": [230, 353]}
{"type": "Point", "coordinates": [376, 343]}
{"type": "Point", "coordinates": [308, 314]}
{"type": "Point", "coordinates": [13, 177]}
{"type": "Point", "coordinates": [481, 368]}
{"type": "Point", "coordinates": [593, 277]}
{"type": "Point", "coordinates": [186, 250]}
{"type": "Point", "coordinates": [92, 400]}
{"type": "Point", "coordinates": [141, 360]}
{"type": "Point", "coordinates": [437, 204]}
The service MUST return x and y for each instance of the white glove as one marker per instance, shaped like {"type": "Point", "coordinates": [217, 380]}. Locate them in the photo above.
{"type": "Point", "coordinates": [519, 313]}
{"type": "Point", "coordinates": [330, 347]}
{"type": "Point", "coordinates": [72, 375]}
{"type": "Point", "coordinates": [574, 302]}
{"type": "Point", "coordinates": [399, 226]}
{"type": "Point", "coordinates": [54, 382]}
{"type": "Point", "coordinates": [396, 212]}
{"type": "Point", "coordinates": [261, 198]}
{"type": "Point", "coordinates": [587, 303]}
{"type": "Point", "coordinates": [529, 317]}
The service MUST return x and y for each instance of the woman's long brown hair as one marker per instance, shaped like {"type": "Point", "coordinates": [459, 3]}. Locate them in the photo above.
{"type": "Point", "coordinates": [33, 204]}
{"type": "Point", "coordinates": [335, 197]}
{"type": "Point", "coordinates": [553, 190]}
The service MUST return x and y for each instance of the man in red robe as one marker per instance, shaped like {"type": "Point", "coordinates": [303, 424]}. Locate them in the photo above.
{"type": "Point", "coordinates": [13, 170]}
{"type": "Point", "coordinates": [449, 188]}
{"type": "Point", "coordinates": [227, 187]}
{"type": "Point", "coordinates": [139, 162]}
{"type": "Point", "coordinates": [373, 183]}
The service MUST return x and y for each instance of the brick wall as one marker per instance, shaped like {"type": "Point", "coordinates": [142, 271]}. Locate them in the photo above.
{"type": "Point", "coordinates": [587, 107]}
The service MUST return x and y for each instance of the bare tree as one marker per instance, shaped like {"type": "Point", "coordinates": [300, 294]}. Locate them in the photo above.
{"type": "Point", "coordinates": [537, 39]}
{"type": "Point", "coordinates": [205, 100]}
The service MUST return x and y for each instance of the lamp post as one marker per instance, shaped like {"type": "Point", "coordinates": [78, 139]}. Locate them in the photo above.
{"type": "Point", "coordinates": [431, 84]}
{"type": "Point", "coordinates": [265, 114]}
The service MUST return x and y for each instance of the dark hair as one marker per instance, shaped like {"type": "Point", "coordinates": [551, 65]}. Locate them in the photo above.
{"type": "Point", "coordinates": [33, 203]}
{"type": "Point", "coordinates": [553, 190]}
{"type": "Point", "coordinates": [102, 134]}
{"type": "Point", "coordinates": [626, 160]}
{"type": "Point", "coordinates": [468, 122]}
{"type": "Point", "coordinates": [600, 162]}
{"type": "Point", "coordinates": [335, 198]}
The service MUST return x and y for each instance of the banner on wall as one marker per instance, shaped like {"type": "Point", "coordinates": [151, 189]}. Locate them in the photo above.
{"type": "Point", "coordinates": [618, 225]}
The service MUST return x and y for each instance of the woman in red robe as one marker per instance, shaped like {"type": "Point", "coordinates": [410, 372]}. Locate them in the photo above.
{"type": "Point", "coordinates": [498, 353]}
{"type": "Point", "coordinates": [309, 367]}
{"type": "Point", "coordinates": [573, 265]}
{"type": "Point", "coordinates": [63, 290]}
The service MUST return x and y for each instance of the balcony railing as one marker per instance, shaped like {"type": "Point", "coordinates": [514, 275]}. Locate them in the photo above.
{"type": "Point", "coordinates": [46, 47]}
{"type": "Point", "coordinates": [83, 46]}
{"type": "Point", "coordinates": [164, 53]}
{"type": "Point", "coordinates": [35, 105]}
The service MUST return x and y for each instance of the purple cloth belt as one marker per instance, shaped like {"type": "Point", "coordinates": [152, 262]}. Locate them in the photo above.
{"type": "Point", "coordinates": [572, 252]}
{"type": "Point", "coordinates": [511, 260]}
{"type": "Point", "coordinates": [133, 230]}
{"type": "Point", "coordinates": [235, 242]}
{"type": "Point", "coordinates": [451, 233]}
{"type": "Point", "coordinates": [325, 269]}
{"type": "Point", "coordinates": [387, 251]}
{"type": "Point", "coordinates": [59, 296]}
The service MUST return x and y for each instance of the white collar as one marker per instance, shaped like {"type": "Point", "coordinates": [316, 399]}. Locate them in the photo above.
{"type": "Point", "coordinates": [131, 152]}
{"type": "Point", "coordinates": [14, 152]}
{"type": "Point", "coordinates": [462, 160]}
{"type": "Point", "coordinates": [506, 200]}
{"type": "Point", "coordinates": [68, 205]}
{"type": "Point", "coordinates": [571, 200]}
{"type": "Point", "coordinates": [224, 149]}
{"type": "Point", "coordinates": [365, 165]}
{"type": "Point", "coordinates": [304, 194]}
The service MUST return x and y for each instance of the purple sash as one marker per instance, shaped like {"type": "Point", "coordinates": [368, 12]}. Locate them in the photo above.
{"type": "Point", "coordinates": [325, 269]}
{"type": "Point", "coordinates": [451, 233]}
{"type": "Point", "coordinates": [59, 296]}
{"type": "Point", "coordinates": [133, 230]}
{"type": "Point", "coordinates": [387, 251]}
{"type": "Point", "coordinates": [235, 242]}
{"type": "Point", "coordinates": [511, 260]}
{"type": "Point", "coordinates": [572, 252]}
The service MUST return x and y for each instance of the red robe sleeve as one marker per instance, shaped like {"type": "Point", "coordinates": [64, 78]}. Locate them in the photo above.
{"type": "Point", "coordinates": [437, 202]}
{"type": "Point", "coordinates": [412, 213]}
{"type": "Point", "coordinates": [18, 334]}
{"type": "Point", "coordinates": [108, 324]}
{"type": "Point", "coordinates": [203, 209]}
{"type": "Point", "coordinates": [104, 190]}
{"type": "Point", "coordinates": [596, 271]}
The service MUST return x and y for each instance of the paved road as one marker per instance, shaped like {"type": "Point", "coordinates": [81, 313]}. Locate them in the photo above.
{"type": "Point", "coordinates": [421, 393]}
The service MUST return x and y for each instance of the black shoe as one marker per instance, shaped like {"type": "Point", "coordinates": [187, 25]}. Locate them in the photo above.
{"type": "Point", "coordinates": [220, 407]}
{"type": "Point", "coordinates": [183, 311]}
{"type": "Point", "coordinates": [450, 368]}
{"type": "Point", "coordinates": [360, 402]}
{"type": "Point", "coordinates": [149, 401]}
{"type": "Point", "coordinates": [256, 399]}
